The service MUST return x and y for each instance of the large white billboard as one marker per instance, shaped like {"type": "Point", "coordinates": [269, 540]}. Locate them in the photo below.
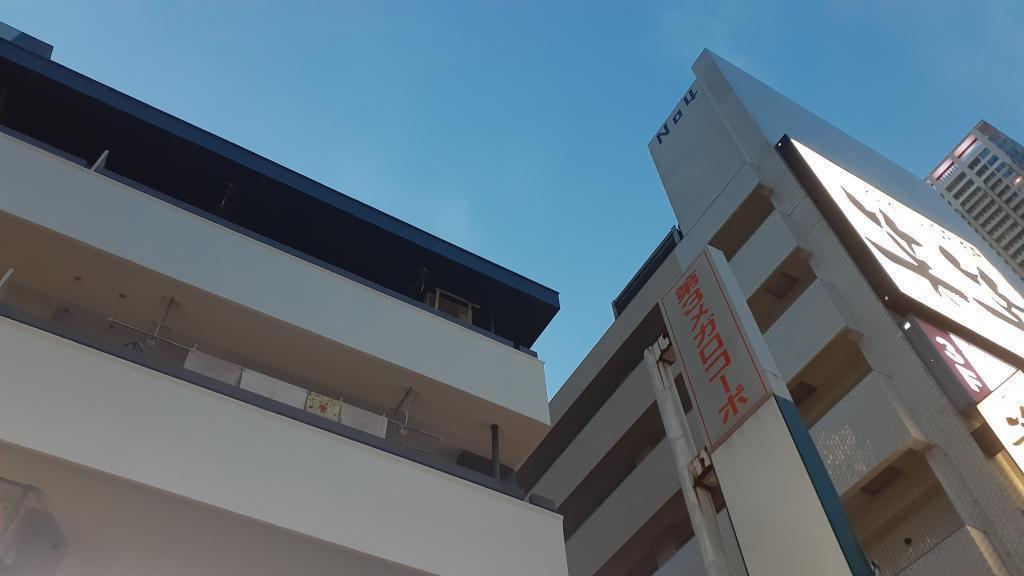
{"type": "Point", "coordinates": [1003, 410]}
{"type": "Point", "coordinates": [922, 265]}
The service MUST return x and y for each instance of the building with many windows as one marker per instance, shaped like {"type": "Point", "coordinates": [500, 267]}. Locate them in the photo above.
{"type": "Point", "coordinates": [841, 256]}
{"type": "Point", "coordinates": [982, 178]}
{"type": "Point", "coordinates": [210, 364]}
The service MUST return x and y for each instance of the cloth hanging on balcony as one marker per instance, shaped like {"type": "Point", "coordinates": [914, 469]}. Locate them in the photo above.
{"type": "Point", "coordinates": [364, 420]}
{"type": "Point", "coordinates": [323, 406]}
{"type": "Point", "coordinates": [213, 367]}
{"type": "Point", "coordinates": [273, 388]}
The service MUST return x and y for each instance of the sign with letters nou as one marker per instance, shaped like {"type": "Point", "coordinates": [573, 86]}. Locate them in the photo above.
{"type": "Point", "coordinates": [724, 379]}
{"type": "Point", "coordinates": [915, 265]}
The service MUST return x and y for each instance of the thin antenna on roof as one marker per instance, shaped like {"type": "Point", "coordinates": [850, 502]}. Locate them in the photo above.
{"type": "Point", "coordinates": [101, 162]}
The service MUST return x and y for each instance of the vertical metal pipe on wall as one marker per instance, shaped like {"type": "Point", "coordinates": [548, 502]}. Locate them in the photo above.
{"type": "Point", "coordinates": [495, 452]}
{"type": "Point", "coordinates": [702, 514]}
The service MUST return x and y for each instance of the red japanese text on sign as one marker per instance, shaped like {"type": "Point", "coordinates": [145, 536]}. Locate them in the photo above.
{"type": "Point", "coordinates": [723, 378]}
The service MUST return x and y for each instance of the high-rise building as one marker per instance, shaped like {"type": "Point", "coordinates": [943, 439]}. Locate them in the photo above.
{"type": "Point", "coordinates": [982, 179]}
{"type": "Point", "coordinates": [884, 322]}
{"type": "Point", "coordinates": [210, 364]}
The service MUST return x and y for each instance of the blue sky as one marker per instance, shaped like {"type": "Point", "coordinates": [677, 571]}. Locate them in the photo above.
{"type": "Point", "coordinates": [518, 129]}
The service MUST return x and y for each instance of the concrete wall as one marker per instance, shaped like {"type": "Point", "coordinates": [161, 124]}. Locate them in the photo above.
{"type": "Point", "coordinates": [88, 408]}
{"type": "Point", "coordinates": [617, 414]}
{"type": "Point", "coordinates": [639, 496]}
{"type": "Point", "coordinates": [122, 221]}
{"type": "Point", "coordinates": [114, 527]}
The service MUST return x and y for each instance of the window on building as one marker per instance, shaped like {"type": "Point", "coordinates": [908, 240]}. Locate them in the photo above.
{"type": "Point", "coordinates": [984, 153]}
{"type": "Point", "coordinates": [451, 304]}
{"type": "Point", "coordinates": [1003, 221]}
{"type": "Point", "coordinates": [1013, 227]}
{"type": "Point", "coordinates": [963, 189]}
{"type": "Point", "coordinates": [990, 179]}
{"type": "Point", "coordinates": [992, 160]}
{"type": "Point", "coordinates": [1016, 238]}
{"type": "Point", "coordinates": [980, 199]}
{"type": "Point", "coordinates": [970, 197]}
{"type": "Point", "coordinates": [982, 170]}
{"type": "Point", "coordinates": [974, 163]}
{"type": "Point", "coordinates": [988, 206]}
{"type": "Point", "coordinates": [956, 181]}
{"type": "Point", "coordinates": [992, 217]}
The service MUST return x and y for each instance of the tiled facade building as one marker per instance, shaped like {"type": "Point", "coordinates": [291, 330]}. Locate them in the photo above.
{"type": "Point", "coordinates": [927, 489]}
{"type": "Point", "coordinates": [983, 180]}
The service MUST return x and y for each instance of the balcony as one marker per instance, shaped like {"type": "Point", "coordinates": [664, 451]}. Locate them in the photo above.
{"type": "Point", "coordinates": [229, 449]}
{"type": "Point", "coordinates": [129, 229]}
{"type": "Point", "coordinates": [966, 551]}
{"type": "Point", "coordinates": [109, 304]}
{"type": "Point", "coordinates": [865, 432]}
{"type": "Point", "coordinates": [93, 125]}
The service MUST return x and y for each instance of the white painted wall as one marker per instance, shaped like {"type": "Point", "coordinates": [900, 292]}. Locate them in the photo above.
{"type": "Point", "coordinates": [113, 527]}
{"type": "Point", "coordinates": [86, 407]}
{"type": "Point", "coordinates": [610, 422]}
{"type": "Point", "coordinates": [687, 561]}
{"type": "Point", "coordinates": [639, 496]}
{"type": "Point", "coordinates": [73, 201]}
{"type": "Point", "coordinates": [766, 485]}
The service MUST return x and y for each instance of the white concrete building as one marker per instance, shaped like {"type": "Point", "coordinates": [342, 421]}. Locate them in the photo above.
{"type": "Point", "coordinates": [210, 364]}
{"type": "Point", "coordinates": [927, 487]}
{"type": "Point", "coordinates": [982, 179]}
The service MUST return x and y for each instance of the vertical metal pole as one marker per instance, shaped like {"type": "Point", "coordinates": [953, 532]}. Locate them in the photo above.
{"type": "Point", "coordinates": [5, 282]}
{"type": "Point", "coordinates": [677, 432]}
{"type": "Point", "coordinates": [495, 452]}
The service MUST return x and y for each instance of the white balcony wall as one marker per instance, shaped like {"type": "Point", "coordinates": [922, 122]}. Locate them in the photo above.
{"type": "Point", "coordinates": [805, 328]}
{"type": "Point", "coordinates": [688, 560]}
{"type": "Point", "coordinates": [85, 407]}
{"type": "Point", "coordinates": [614, 418]}
{"type": "Point", "coordinates": [73, 201]}
{"type": "Point", "coordinates": [113, 527]}
{"type": "Point", "coordinates": [763, 253]}
{"type": "Point", "coordinates": [639, 496]}
{"type": "Point", "coordinates": [967, 551]}
{"type": "Point", "coordinates": [864, 432]}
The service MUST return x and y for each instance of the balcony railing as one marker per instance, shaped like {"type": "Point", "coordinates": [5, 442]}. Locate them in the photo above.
{"type": "Point", "coordinates": [173, 365]}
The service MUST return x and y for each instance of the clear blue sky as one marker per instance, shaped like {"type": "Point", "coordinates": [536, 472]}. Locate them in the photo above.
{"type": "Point", "coordinates": [518, 129]}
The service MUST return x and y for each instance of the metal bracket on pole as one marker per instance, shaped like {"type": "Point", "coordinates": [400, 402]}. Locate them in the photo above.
{"type": "Point", "coordinates": [699, 505]}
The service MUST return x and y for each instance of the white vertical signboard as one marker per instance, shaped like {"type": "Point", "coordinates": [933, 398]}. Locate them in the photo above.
{"type": "Point", "coordinates": [723, 377]}
{"type": "Point", "coordinates": [786, 514]}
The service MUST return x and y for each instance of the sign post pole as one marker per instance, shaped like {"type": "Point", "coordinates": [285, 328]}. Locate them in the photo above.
{"type": "Point", "coordinates": [701, 510]}
{"type": "Point", "coordinates": [785, 512]}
